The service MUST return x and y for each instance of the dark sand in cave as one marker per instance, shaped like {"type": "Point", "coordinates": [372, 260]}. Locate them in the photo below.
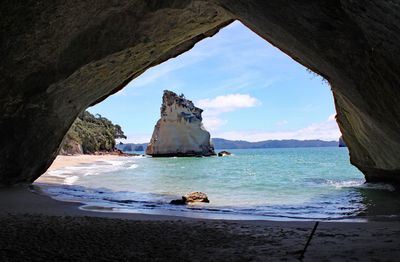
{"type": "Point", "coordinates": [35, 227]}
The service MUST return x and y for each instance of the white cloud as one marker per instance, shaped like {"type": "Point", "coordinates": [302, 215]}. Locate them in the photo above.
{"type": "Point", "coordinates": [228, 103]}
{"type": "Point", "coordinates": [327, 130]}
{"type": "Point", "coordinates": [222, 104]}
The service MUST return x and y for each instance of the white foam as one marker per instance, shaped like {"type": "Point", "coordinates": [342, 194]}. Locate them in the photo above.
{"type": "Point", "coordinates": [140, 156]}
{"type": "Point", "coordinates": [91, 174]}
{"type": "Point", "coordinates": [60, 175]}
{"type": "Point", "coordinates": [344, 184]}
{"type": "Point", "coordinates": [361, 184]}
{"type": "Point", "coordinates": [133, 166]}
{"type": "Point", "coordinates": [115, 163]}
{"type": "Point", "coordinates": [71, 174]}
{"type": "Point", "coordinates": [71, 180]}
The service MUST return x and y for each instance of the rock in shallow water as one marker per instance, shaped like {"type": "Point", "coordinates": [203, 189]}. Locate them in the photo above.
{"type": "Point", "coordinates": [179, 132]}
{"type": "Point", "coordinates": [196, 197]}
{"type": "Point", "coordinates": [224, 153]}
{"type": "Point", "coordinates": [191, 197]}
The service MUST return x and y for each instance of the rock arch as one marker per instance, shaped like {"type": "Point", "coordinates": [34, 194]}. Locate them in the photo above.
{"type": "Point", "coordinates": [59, 57]}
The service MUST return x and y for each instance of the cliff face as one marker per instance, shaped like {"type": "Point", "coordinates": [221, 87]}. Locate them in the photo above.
{"type": "Point", "coordinates": [179, 132]}
{"type": "Point", "coordinates": [58, 60]}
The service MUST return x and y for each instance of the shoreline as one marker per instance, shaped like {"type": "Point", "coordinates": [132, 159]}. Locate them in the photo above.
{"type": "Point", "coordinates": [40, 227]}
{"type": "Point", "coordinates": [63, 161]}
{"type": "Point", "coordinates": [87, 162]}
{"type": "Point", "coordinates": [52, 225]}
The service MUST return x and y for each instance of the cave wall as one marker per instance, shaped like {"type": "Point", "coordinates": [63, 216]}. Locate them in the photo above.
{"type": "Point", "coordinates": [355, 46]}
{"type": "Point", "coordinates": [59, 57]}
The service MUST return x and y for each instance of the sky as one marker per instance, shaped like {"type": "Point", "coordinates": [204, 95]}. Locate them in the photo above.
{"type": "Point", "coordinates": [249, 90]}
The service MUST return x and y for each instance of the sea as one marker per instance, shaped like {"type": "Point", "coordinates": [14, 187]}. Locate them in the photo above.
{"type": "Point", "coordinates": [251, 184]}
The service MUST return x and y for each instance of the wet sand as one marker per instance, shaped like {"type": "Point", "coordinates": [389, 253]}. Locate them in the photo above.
{"type": "Point", "coordinates": [35, 227]}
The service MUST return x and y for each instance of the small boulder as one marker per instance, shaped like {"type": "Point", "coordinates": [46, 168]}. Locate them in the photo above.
{"type": "Point", "coordinates": [191, 197]}
{"type": "Point", "coordinates": [224, 153]}
{"type": "Point", "coordinates": [196, 197]}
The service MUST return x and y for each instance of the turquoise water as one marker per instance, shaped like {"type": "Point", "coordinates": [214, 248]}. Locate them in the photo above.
{"type": "Point", "coordinates": [284, 184]}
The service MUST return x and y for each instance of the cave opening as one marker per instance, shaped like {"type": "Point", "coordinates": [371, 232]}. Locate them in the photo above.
{"type": "Point", "coordinates": [57, 61]}
{"type": "Point", "coordinates": [250, 92]}
{"type": "Point", "coordinates": [240, 71]}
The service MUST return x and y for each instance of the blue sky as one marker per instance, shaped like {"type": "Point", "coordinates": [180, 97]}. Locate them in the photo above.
{"type": "Point", "coordinates": [249, 90]}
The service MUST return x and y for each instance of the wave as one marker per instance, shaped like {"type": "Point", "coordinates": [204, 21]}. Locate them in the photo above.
{"type": "Point", "coordinates": [262, 186]}
{"type": "Point", "coordinates": [101, 199]}
{"type": "Point", "coordinates": [352, 183]}
{"type": "Point", "coordinates": [344, 184]}
{"type": "Point", "coordinates": [133, 166]}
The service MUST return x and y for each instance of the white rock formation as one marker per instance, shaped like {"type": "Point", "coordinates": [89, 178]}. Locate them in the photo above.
{"type": "Point", "coordinates": [180, 131]}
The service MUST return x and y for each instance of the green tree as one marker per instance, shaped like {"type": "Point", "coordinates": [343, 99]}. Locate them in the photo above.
{"type": "Point", "coordinates": [94, 133]}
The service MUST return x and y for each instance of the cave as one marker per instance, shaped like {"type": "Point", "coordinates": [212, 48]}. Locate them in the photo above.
{"type": "Point", "coordinates": [58, 58]}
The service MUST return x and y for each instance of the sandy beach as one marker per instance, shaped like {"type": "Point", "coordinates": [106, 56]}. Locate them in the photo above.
{"type": "Point", "coordinates": [38, 228]}
{"type": "Point", "coordinates": [63, 161]}
{"type": "Point", "coordinates": [74, 160]}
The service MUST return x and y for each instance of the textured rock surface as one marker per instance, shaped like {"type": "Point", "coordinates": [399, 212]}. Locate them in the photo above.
{"type": "Point", "coordinates": [179, 132]}
{"type": "Point", "coordinates": [354, 45]}
{"type": "Point", "coordinates": [57, 60]}
{"type": "Point", "coordinates": [196, 197]}
{"type": "Point", "coordinates": [190, 198]}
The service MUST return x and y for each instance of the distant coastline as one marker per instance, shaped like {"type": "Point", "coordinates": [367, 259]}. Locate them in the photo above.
{"type": "Point", "coordinates": [220, 143]}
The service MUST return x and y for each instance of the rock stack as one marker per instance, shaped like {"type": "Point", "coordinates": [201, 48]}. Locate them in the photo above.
{"type": "Point", "coordinates": [179, 132]}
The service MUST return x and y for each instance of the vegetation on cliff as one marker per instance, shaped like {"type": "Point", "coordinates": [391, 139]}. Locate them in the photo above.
{"type": "Point", "coordinates": [91, 133]}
